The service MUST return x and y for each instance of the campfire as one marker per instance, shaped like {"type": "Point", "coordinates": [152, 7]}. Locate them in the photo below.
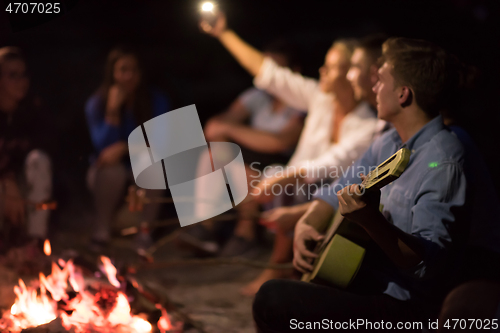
{"type": "Point", "coordinates": [64, 296]}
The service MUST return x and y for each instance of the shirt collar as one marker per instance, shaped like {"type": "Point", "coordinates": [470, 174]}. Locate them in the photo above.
{"type": "Point", "coordinates": [424, 135]}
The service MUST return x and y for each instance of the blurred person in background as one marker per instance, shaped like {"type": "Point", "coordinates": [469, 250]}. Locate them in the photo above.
{"type": "Point", "coordinates": [265, 129]}
{"type": "Point", "coordinates": [338, 128]}
{"type": "Point", "coordinates": [122, 103]}
{"type": "Point", "coordinates": [363, 75]}
{"type": "Point", "coordinates": [25, 166]}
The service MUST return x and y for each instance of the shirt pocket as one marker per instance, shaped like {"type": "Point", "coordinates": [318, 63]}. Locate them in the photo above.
{"type": "Point", "coordinates": [398, 209]}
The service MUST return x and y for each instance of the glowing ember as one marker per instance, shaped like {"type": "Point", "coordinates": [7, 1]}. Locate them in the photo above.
{"type": "Point", "coordinates": [104, 312]}
{"type": "Point", "coordinates": [46, 248]}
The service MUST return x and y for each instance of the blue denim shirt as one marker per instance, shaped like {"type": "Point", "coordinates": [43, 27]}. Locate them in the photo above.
{"type": "Point", "coordinates": [426, 201]}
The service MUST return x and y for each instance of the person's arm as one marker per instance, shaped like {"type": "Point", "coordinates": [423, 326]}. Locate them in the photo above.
{"type": "Point", "coordinates": [322, 208]}
{"type": "Point", "coordinates": [102, 133]}
{"type": "Point", "coordinates": [292, 88]}
{"type": "Point", "coordinates": [351, 175]}
{"type": "Point", "coordinates": [403, 249]}
{"type": "Point", "coordinates": [114, 103]}
{"type": "Point", "coordinates": [434, 220]}
{"type": "Point", "coordinates": [266, 142]}
{"type": "Point", "coordinates": [309, 228]}
{"type": "Point", "coordinates": [217, 126]}
{"type": "Point", "coordinates": [250, 58]}
{"type": "Point", "coordinates": [351, 146]}
{"type": "Point", "coordinates": [237, 113]}
{"type": "Point", "coordinates": [284, 217]}
{"type": "Point", "coordinates": [14, 207]}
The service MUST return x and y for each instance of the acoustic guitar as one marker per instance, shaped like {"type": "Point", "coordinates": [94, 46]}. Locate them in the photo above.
{"type": "Point", "coordinates": [343, 249]}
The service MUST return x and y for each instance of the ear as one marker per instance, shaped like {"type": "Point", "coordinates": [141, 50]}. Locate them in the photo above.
{"type": "Point", "coordinates": [405, 96]}
{"type": "Point", "coordinates": [373, 74]}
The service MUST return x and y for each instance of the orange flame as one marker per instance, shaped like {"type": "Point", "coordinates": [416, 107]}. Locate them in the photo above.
{"type": "Point", "coordinates": [164, 324]}
{"type": "Point", "coordinates": [110, 271]}
{"type": "Point", "coordinates": [46, 248]}
{"type": "Point", "coordinates": [33, 308]}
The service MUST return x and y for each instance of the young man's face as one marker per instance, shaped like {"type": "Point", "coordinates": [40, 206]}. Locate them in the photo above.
{"type": "Point", "coordinates": [333, 72]}
{"type": "Point", "coordinates": [387, 94]}
{"type": "Point", "coordinates": [362, 74]}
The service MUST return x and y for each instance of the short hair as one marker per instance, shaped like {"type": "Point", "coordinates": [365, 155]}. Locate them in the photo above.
{"type": "Point", "coordinates": [426, 68]}
{"type": "Point", "coordinates": [372, 46]}
{"type": "Point", "coordinates": [9, 53]}
{"type": "Point", "coordinates": [346, 46]}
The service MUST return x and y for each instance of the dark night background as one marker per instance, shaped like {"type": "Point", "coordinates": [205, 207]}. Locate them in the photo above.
{"type": "Point", "coordinates": [66, 55]}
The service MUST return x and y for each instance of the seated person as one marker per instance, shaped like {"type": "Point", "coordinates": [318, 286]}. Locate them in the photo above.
{"type": "Point", "coordinates": [338, 128]}
{"type": "Point", "coordinates": [362, 75]}
{"type": "Point", "coordinates": [270, 136]}
{"type": "Point", "coordinates": [417, 224]}
{"type": "Point", "coordinates": [121, 104]}
{"type": "Point", "coordinates": [25, 167]}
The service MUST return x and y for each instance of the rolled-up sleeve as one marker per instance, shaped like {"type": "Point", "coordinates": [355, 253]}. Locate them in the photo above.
{"type": "Point", "coordinates": [292, 88]}
{"type": "Point", "coordinates": [436, 217]}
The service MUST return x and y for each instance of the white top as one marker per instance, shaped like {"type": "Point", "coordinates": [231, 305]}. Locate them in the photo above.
{"type": "Point", "coordinates": [315, 149]}
{"type": "Point", "coordinates": [262, 116]}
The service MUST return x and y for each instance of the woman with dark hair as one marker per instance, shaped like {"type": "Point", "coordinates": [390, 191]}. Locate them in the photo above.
{"type": "Point", "coordinates": [122, 103]}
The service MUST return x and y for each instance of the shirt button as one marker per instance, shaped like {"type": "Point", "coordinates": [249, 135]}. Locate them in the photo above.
{"type": "Point", "coordinates": [413, 150]}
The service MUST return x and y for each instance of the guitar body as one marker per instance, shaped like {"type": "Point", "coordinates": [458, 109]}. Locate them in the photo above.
{"type": "Point", "coordinates": [340, 260]}
{"type": "Point", "coordinates": [342, 252]}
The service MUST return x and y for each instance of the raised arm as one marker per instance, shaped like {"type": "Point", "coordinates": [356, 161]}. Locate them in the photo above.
{"type": "Point", "coordinates": [292, 88]}
{"type": "Point", "coordinates": [250, 58]}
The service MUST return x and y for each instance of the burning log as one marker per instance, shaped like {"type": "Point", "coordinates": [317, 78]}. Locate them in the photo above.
{"type": "Point", "coordinates": [64, 302]}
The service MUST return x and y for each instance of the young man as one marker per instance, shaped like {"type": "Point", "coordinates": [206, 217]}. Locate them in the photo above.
{"type": "Point", "coordinates": [419, 225]}
{"type": "Point", "coordinates": [338, 128]}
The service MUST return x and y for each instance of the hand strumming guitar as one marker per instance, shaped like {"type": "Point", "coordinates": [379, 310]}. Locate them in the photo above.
{"type": "Point", "coordinates": [308, 229]}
